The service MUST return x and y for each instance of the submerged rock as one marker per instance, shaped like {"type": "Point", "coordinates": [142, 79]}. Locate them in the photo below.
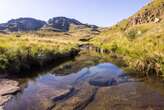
{"type": "Point", "coordinates": [100, 87]}
{"type": "Point", "coordinates": [61, 94]}
{"type": "Point", "coordinates": [83, 96]}
{"type": "Point", "coordinates": [99, 81]}
{"type": "Point", "coordinates": [127, 96]}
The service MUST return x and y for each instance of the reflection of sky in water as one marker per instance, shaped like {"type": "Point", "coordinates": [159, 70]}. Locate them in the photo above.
{"type": "Point", "coordinates": [44, 87]}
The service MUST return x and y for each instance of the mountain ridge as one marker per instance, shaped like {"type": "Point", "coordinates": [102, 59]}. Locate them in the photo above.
{"type": "Point", "coordinates": [61, 24]}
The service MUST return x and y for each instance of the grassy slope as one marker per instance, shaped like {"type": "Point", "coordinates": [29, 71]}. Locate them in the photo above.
{"type": "Point", "coordinates": [141, 45]}
{"type": "Point", "coordinates": [24, 51]}
{"type": "Point", "coordinates": [155, 4]}
{"type": "Point", "coordinates": [30, 51]}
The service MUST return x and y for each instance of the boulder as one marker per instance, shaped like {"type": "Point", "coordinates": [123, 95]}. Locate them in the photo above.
{"type": "Point", "coordinates": [84, 94]}
{"type": "Point", "coordinates": [62, 94]}
{"type": "Point", "coordinates": [8, 88]}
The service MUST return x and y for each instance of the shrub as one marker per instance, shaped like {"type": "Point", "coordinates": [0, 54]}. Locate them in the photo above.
{"type": "Point", "coordinates": [131, 34]}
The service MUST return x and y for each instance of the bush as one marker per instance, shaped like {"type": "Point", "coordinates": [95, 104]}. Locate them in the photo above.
{"type": "Point", "coordinates": [114, 47]}
{"type": "Point", "coordinates": [131, 34]}
{"type": "Point", "coordinates": [3, 62]}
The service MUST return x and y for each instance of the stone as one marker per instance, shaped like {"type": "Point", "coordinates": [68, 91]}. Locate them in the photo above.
{"type": "Point", "coordinates": [127, 96]}
{"type": "Point", "coordinates": [84, 94]}
{"type": "Point", "coordinates": [61, 94]}
{"type": "Point", "coordinates": [156, 20]}
{"type": "Point", "coordinates": [103, 82]}
{"type": "Point", "coordinates": [1, 108]}
{"type": "Point", "coordinates": [4, 99]}
{"type": "Point", "coordinates": [8, 88]}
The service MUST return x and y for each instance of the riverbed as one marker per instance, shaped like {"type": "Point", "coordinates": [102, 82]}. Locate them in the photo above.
{"type": "Point", "coordinates": [90, 81]}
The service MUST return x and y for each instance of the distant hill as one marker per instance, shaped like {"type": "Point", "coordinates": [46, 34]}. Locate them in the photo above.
{"type": "Point", "coordinates": [22, 24]}
{"type": "Point", "coordinates": [61, 24]}
{"type": "Point", "coordinates": [64, 24]}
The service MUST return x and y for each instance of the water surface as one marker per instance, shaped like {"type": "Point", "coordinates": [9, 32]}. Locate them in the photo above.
{"type": "Point", "coordinates": [90, 82]}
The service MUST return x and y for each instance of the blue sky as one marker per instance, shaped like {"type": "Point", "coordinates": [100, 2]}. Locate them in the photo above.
{"type": "Point", "coordinates": [99, 12]}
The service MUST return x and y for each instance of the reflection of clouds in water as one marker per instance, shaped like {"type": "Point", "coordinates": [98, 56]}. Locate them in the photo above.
{"type": "Point", "coordinates": [45, 86]}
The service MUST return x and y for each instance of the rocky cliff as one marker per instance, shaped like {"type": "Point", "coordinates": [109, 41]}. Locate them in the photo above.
{"type": "Point", "coordinates": [152, 12]}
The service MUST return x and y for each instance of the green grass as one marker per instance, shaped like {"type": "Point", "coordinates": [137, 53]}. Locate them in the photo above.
{"type": "Point", "coordinates": [24, 51]}
{"type": "Point", "coordinates": [142, 46]}
{"type": "Point", "coordinates": [18, 54]}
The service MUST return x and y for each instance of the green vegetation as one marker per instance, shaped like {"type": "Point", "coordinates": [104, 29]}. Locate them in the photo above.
{"type": "Point", "coordinates": [142, 46]}
{"type": "Point", "coordinates": [18, 54]}
{"type": "Point", "coordinates": [24, 51]}
{"type": "Point", "coordinates": [138, 39]}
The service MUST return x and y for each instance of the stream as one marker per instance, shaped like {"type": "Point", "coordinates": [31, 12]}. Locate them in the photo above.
{"type": "Point", "coordinates": [90, 81]}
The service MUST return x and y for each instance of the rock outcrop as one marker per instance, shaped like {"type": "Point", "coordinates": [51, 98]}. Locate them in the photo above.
{"type": "Point", "coordinates": [153, 12]}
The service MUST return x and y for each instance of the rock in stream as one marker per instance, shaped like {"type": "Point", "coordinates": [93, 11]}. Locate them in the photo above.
{"type": "Point", "coordinates": [7, 89]}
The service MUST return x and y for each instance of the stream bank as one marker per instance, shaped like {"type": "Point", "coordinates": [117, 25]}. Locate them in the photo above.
{"type": "Point", "coordinates": [10, 83]}
{"type": "Point", "coordinates": [91, 81]}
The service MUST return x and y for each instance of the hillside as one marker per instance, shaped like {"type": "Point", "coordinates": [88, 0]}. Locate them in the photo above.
{"type": "Point", "coordinates": [31, 48]}
{"type": "Point", "coordinates": [153, 12]}
{"type": "Point", "coordinates": [138, 39]}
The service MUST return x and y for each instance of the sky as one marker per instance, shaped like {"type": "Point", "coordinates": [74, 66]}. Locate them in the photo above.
{"type": "Point", "coordinates": [98, 12]}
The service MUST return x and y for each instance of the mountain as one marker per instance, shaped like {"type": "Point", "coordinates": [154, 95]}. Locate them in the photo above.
{"type": "Point", "coordinates": [61, 24]}
{"type": "Point", "coordinates": [22, 24]}
{"type": "Point", "coordinates": [64, 24]}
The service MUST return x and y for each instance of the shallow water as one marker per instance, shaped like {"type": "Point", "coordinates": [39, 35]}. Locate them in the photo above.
{"type": "Point", "coordinates": [88, 82]}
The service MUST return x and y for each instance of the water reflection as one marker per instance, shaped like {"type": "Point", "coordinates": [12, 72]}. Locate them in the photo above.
{"type": "Point", "coordinates": [39, 92]}
{"type": "Point", "coordinates": [58, 90]}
